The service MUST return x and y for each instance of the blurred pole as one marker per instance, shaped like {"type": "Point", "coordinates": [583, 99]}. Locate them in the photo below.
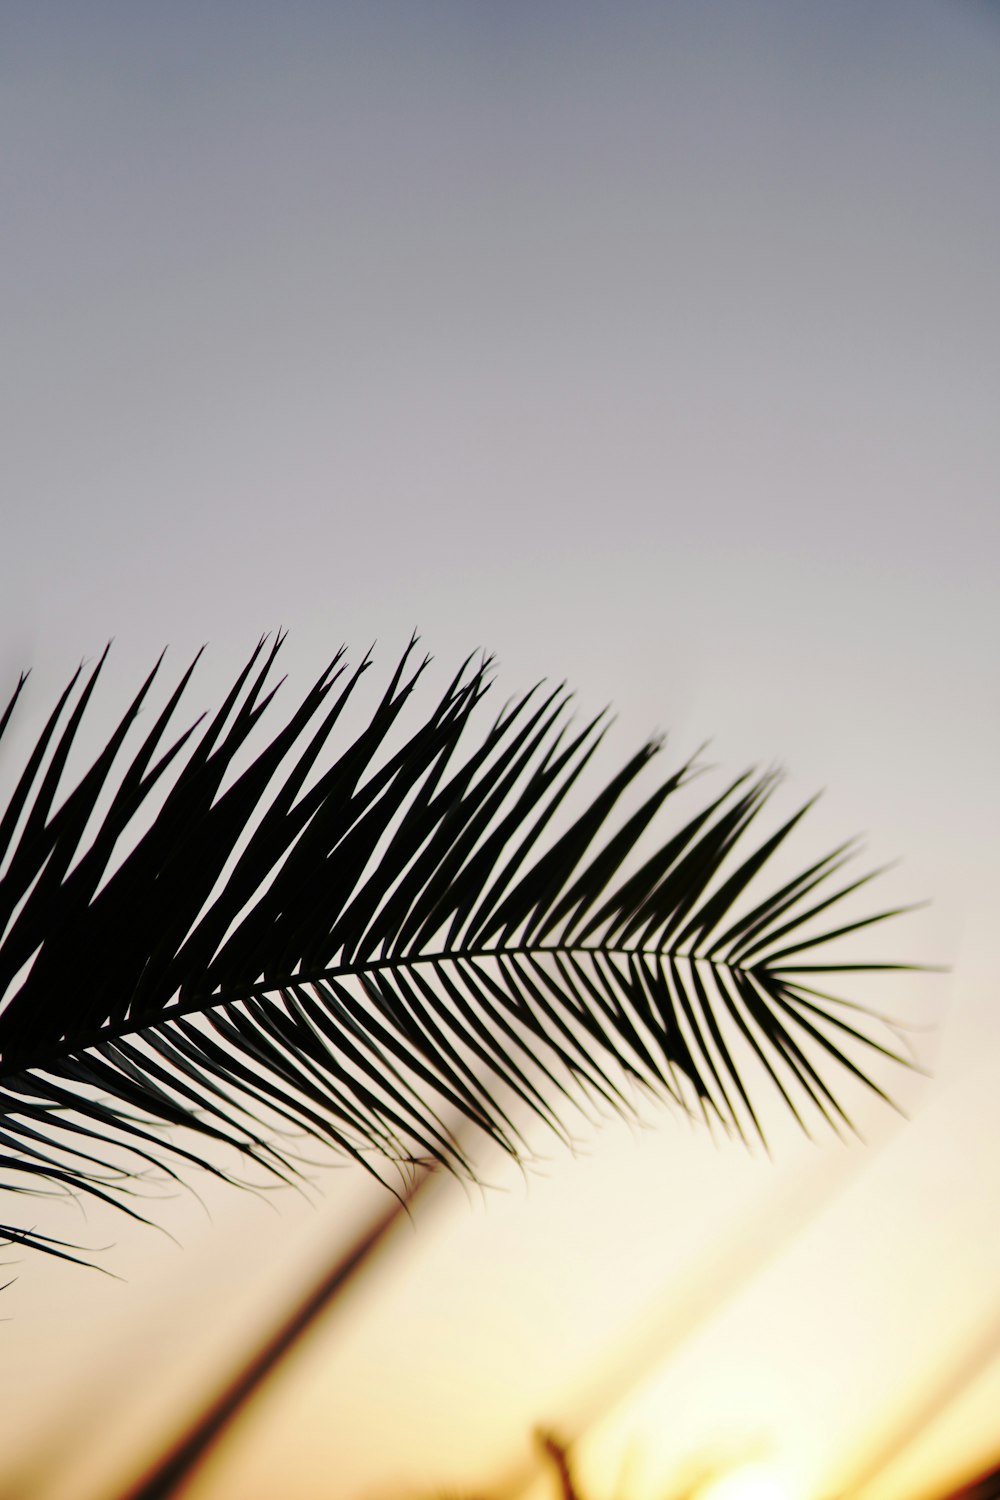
{"type": "Point", "coordinates": [189, 1449]}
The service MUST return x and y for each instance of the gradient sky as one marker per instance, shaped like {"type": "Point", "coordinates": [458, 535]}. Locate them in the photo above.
{"type": "Point", "coordinates": [653, 346]}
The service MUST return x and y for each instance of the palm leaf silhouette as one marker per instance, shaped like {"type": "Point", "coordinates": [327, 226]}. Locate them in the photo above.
{"type": "Point", "coordinates": [356, 947]}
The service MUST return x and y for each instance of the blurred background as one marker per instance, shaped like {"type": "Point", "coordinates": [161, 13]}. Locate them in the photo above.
{"type": "Point", "coordinates": [653, 347]}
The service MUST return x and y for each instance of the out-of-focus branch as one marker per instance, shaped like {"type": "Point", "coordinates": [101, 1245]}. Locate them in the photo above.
{"type": "Point", "coordinates": [189, 1449]}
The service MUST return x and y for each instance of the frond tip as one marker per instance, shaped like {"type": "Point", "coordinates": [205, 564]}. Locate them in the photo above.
{"type": "Point", "coordinates": [361, 944]}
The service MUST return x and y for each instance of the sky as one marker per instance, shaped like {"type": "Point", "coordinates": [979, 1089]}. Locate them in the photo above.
{"type": "Point", "coordinates": [653, 347]}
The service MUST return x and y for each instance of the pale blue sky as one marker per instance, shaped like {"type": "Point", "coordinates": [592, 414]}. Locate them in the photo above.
{"type": "Point", "coordinates": [655, 346]}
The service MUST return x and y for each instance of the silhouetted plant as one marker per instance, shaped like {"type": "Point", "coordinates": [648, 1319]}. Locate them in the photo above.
{"type": "Point", "coordinates": [350, 946]}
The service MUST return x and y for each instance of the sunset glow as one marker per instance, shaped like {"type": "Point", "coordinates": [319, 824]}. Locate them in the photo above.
{"type": "Point", "coordinates": [654, 348]}
{"type": "Point", "coordinates": [750, 1482]}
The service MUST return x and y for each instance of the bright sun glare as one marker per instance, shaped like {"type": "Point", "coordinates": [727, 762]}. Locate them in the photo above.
{"type": "Point", "coordinates": [753, 1482]}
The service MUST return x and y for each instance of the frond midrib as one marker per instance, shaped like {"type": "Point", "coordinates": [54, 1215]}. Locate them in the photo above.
{"type": "Point", "coordinates": [202, 1004]}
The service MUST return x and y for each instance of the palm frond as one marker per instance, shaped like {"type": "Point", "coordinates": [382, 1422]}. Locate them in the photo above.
{"type": "Point", "coordinates": [358, 946]}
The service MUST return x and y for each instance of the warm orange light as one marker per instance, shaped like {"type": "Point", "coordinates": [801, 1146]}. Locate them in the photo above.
{"type": "Point", "coordinates": [750, 1482]}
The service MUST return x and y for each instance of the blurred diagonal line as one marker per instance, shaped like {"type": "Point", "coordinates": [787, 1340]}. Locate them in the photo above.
{"type": "Point", "coordinates": [694, 1298]}
{"type": "Point", "coordinates": [188, 1451]}
{"type": "Point", "coordinates": [984, 1486]}
{"type": "Point", "coordinates": [928, 1406]}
